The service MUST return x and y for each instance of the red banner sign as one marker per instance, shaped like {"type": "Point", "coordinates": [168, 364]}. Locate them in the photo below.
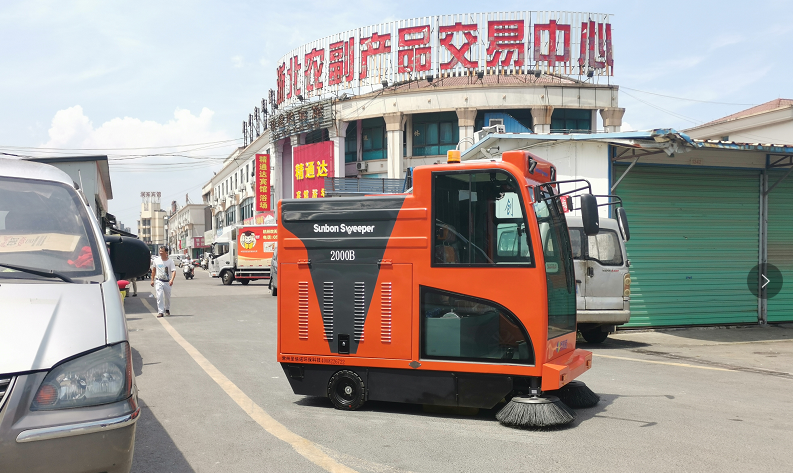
{"type": "Point", "coordinates": [312, 164]}
{"type": "Point", "coordinates": [262, 182]}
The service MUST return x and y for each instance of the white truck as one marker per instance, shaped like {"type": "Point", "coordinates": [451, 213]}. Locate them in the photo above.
{"type": "Point", "coordinates": [243, 252]}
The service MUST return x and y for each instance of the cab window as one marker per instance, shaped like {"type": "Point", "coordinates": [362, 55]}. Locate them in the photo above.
{"type": "Point", "coordinates": [458, 327]}
{"type": "Point", "coordinates": [480, 220]}
{"type": "Point", "coordinates": [605, 248]}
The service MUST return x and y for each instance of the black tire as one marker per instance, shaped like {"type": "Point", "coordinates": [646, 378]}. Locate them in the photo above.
{"type": "Point", "coordinates": [273, 291]}
{"type": "Point", "coordinates": [346, 390]}
{"type": "Point", "coordinates": [227, 277]}
{"type": "Point", "coordinates": [595, 335]}
{"type": "Point", "coordinates": [245, 282]}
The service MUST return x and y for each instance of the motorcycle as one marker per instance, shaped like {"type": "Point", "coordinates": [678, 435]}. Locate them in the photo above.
{"type": "Point", "coordinates": [188, 272]}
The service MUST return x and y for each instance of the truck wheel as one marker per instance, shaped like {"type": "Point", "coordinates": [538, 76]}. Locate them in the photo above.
{"type": "Point", "coordinates": [244, 282]}
{"type": "Point", "coordinates": [346, 390]}
{"type": "Point", "coordinates": [595, 335]}
{"type": "Point", "coordinates": [227, 277]}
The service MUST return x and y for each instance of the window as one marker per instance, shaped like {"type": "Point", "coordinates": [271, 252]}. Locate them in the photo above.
{"type": "Point", "coordinates": [571, 121]}
{"type": "Point", "coordinates": [575, 242]}
{"type": "Point", "coordinates": [605, 248]}
{"type": "Point", "coordinates": [230, 216]}
{"type": "Point", "coordinates": [351, 143]}
{"type": "Point", "coordinates": [317, 136]}
{"type": "Point", "coordinates": [434, 133]}
{"type": "Point", "coordinates": [559, 272]}
{"type": "Point", "coordinates": [373, 139]}
{"type": "Point", "coordinates": [246, 208]}
{"type": "Point", "coordinates": [479, 220]}
{"type": "Point", "coordinates": [454, 326]}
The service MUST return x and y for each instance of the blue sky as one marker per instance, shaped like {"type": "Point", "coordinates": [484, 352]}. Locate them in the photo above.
{"type": "Point", "coordinates": [98, 77]}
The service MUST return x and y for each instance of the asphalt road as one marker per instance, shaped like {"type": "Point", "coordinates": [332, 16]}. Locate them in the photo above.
{"type": "Point", "coordinates": [214, 399]}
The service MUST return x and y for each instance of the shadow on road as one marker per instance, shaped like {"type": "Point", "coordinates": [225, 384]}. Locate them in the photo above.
{"type": "Point", "coordinates": [485, 415]}
{"type": "Point", "coordinates": [155, 451]}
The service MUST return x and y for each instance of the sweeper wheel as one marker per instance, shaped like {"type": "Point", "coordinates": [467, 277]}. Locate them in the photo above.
{"type": "Point", "coordinates": [535, 411]}
{"type": "Point", "coordinates": [346, 390]}
{"type": "Point", "coordinates": [577, 395]}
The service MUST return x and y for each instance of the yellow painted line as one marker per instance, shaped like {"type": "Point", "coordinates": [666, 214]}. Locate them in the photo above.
{"type": "Point", "coordinates": [684, 365]}
{"type": "Point", "coordinates": [304, 447]}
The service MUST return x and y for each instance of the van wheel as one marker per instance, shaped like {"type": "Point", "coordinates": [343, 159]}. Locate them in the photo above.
{"type": "Point", "coordinates": [273, 291]}
{"type": "Point", "coordinates": [346, 390]}
{"type": "Point", "coordinates": [244, 282]}
{"type": "Point", "coordinates": [595, 335]}
{"type": "Point", "coordinates": [227, 277]}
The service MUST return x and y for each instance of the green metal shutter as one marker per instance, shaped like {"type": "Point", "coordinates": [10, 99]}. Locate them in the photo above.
{"type": "Point", "coordinates": [780, 245]}
{"type": "Point", "coordinates": [694, 239]}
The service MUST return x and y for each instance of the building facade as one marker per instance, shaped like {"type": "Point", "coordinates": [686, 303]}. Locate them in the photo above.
{"type": "Point", "coordinates": [186, 227]}
{"type": "Point", "coordinates": [151, 225]}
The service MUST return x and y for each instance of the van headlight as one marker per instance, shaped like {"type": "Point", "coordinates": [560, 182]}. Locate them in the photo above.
{"type": "Point", "coordinates": [100, 377]}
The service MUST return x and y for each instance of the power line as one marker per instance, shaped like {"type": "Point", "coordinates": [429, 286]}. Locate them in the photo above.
{"type": "Point", "coordinates": [676, 115]}
{"type": "Point", "coordinates": [117, 149]}
{"type": "Point", "coordinates": [690, 100]}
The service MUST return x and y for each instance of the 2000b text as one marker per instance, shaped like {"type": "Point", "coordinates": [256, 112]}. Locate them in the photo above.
{"type": "Point", "coordinates": [342, 255]}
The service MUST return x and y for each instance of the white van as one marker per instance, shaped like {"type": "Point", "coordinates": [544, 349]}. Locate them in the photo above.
{"type": "Point", "coordinates": [602, 278]}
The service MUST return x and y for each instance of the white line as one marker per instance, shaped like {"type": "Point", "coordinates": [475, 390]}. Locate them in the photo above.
{"type": "Point", "coordinates": [684, 365]}
{"type": "Point", "coordinates": [304, 447]}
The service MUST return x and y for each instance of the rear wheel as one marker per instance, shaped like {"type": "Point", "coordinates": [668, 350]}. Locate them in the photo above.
{"type": "Point", "coordinates": [227, 277]}
{"type": "Point", "coordinates": [273, 291]}
{"type": "Point", "coordinates": [346, 390]}
{"type": "Point", "coordinates": [595, 335]}
{"type": "Point", "coordinates": [244, 282]}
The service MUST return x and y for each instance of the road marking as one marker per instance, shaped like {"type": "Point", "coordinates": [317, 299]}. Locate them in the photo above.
{"type": "Point", "coordinates": [684, 365]}
{"type": "Point", "coordinates": [304, 447]}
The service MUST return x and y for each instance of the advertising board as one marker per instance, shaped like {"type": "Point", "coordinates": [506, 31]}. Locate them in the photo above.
{"type": "Point", "coordinates": [255, 245]}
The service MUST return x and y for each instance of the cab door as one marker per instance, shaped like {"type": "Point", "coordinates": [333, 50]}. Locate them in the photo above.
{"type": "Point", "coordinates": [605, 270]}
{"type": "Point", "coordinates": [577, 238]}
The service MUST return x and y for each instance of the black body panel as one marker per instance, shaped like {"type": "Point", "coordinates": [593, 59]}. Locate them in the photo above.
{"type": "Point", "coordinates": [345, 239]}
{"type": "Point", "coordinates": [410, 386]}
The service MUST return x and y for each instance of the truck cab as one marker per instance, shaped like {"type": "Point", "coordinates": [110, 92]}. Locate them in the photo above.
{"type": "Point", "coordinates": [602, 278]}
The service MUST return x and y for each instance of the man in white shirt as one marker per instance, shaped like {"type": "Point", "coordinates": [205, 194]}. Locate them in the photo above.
{"type": "Point", "coordinates": [163, 272]}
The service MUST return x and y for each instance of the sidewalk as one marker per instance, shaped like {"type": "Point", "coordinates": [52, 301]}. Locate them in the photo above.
{"type": "Point", "coordinates": [761, 349]}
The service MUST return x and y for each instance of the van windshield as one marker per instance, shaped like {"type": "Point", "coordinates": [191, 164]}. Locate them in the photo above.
{"type": "Point", "coordinates": [559, 273]}
{"type": "Point", "coordinates": [44, 226]}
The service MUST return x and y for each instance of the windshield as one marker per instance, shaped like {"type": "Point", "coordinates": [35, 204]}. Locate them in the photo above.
{"type": "Point", "coordinates": [44, 226]}
{"type": "Point", "coordinates": [605, 248]}
{"type": "Point", "coordinates": [558, 266]}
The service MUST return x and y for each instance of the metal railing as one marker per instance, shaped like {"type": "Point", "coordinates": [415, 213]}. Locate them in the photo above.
{"type": "Point", "coordinates": [349, 186]}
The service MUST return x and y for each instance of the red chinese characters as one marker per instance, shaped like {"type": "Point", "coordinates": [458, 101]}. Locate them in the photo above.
{"type": "Point", "coordinates": [341, 63]}
{"type": "Point", "coordinates": [553, 30]}
{"type": "Point", "coordinates": [415, 53]}
{"type": "Point", "coordinates": [314, 62]}
{"type": "Point", "coordinates": [293, 73]}
{"type": "Point", "coordinates": [447, 34]}
{"type": "Point", "coordinates": [372, 46]}
{"type": "Point", "coordinates": [505, 43]}
{"type": "Point", "coordinates": [596, 57]}
{"type": "Point", "coordinates": [281, 84]}
{"type": "Point", "coordinates": [262, 190]}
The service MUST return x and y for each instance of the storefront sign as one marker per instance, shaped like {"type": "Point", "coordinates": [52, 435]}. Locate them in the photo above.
{"type": "Point", "coordinates": [359, 60]}
{"type": "Point", "coordinates": [198, 242]}
{"type": "Point", "coordinates": [262, 182]}
{"type": "Point", "coordinates": [311, 165]}
{"type": "Point", "coordinates": [257, 243]}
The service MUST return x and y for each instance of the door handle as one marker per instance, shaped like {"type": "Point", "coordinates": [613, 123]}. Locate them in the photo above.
{"type": "Point", "coordinates": [590, 271]}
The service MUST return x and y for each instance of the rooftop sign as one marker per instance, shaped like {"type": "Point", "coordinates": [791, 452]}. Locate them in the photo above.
{"type": "Point", "coordinates": [360, 60]}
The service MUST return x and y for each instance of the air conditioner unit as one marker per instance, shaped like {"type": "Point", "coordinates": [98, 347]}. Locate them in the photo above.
{"type": "Point", "coordinates": [361, 165]}
{"type": "Point", "coordinates": [488, 130]}
{"type": "Point", "coordinates": [495, 121]}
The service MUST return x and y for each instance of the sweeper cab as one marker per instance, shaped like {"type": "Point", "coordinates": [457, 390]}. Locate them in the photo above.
{"type": "Point", "coordinates": [459, 292]}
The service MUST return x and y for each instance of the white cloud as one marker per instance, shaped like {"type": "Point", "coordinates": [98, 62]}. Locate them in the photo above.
{"type": "Point", "coordinates": [71, 128]}
{"type": "Point", "coordinates": [237, 62]}
{"type": "Point", "coordinates": [123, 138]}
{"type": "Point", "coordinates": [627, 126]}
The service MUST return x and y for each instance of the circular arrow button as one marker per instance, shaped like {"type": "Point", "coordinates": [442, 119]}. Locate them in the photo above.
{"type": "Point", "coordinates": [765, 284]}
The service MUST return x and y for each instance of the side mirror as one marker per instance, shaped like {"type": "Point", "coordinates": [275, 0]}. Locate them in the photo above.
{"type": "Point", "coordinates": [622, 219]}
{"type": "Point", "coordinates": [589, 214]}
{"type": "Point", "coordinates": [130, 257]}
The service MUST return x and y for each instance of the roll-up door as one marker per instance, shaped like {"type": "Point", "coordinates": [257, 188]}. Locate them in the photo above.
{"type": "Point", "coordinates": [694, 240]}
{"type": "Point", "coordinates": [780, 245]}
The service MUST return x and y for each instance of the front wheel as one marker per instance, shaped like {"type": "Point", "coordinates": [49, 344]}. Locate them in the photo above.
{"type": "Point", "coordinates": [346, 390]}
{"type": "Point", "coordinates": [227, 277]}
{"type": "Point", "coordinates": [595, 335]}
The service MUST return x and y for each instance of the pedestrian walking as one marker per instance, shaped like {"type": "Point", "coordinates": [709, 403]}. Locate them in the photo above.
{"type": "Point", "coordinates": [163, 272]}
